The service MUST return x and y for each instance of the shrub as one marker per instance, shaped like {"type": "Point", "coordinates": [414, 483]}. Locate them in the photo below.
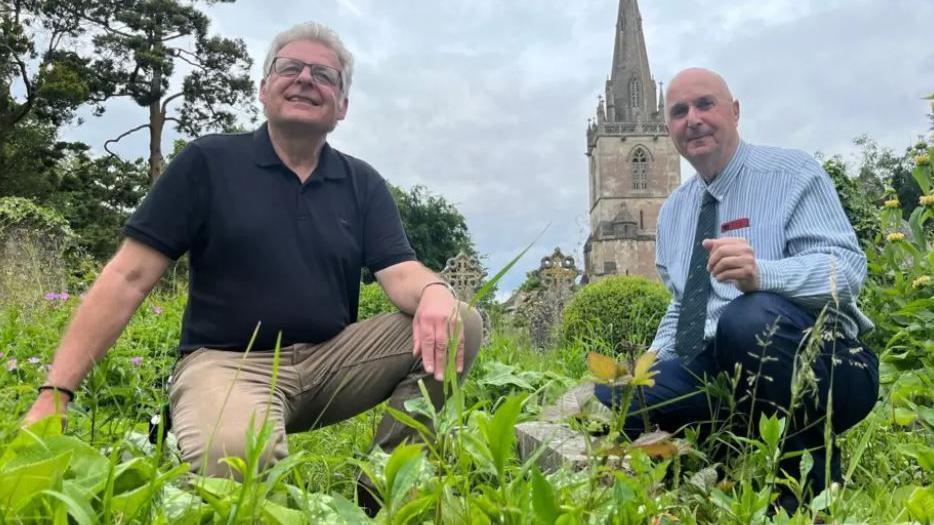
{"type": "Point", "coordinates": [373, 302]}
{"type": "Point", "coordinates": [618, 314]}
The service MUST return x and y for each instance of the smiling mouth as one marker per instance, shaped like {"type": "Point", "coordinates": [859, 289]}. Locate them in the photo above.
{"type": "Point", "coordinates": [303, 100]}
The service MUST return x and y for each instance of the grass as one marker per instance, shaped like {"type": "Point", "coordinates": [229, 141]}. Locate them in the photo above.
{"type": "Point", "coordinates": [473, 471]}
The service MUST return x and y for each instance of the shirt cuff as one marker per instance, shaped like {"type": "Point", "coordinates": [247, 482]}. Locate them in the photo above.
{"type": "Point", "coordinates": [770, 275]}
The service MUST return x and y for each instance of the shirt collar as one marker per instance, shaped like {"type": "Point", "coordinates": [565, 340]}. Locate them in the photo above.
{"type": "Point", "coordinates": [721, 183]}
{"type": "Point", "coordinates": [328, 167]}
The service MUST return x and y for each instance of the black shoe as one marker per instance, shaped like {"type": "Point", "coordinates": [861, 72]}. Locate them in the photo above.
{"type": "Point", "coordinates": [366, 500]}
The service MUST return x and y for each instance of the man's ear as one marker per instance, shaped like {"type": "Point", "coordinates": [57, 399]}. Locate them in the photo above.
{"type": "Point", "coordinates": [262, 91]}
{"type": "Point", "coordinates": [343, 109]}
{"type": "Point", "coordinates": [736, 111]}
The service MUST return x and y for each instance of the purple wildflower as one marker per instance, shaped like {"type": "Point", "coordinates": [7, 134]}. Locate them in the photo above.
{"type": "Point", "coordinates": [34, 360]}
{"type": "Point", "coordinates": [51, 296]}
{"type": "Point", "coordinates": [64, 296]}
{"type": "Point", "coordinates": [136, 360]}
{"type": "Point", "coordinates": [11, 364]}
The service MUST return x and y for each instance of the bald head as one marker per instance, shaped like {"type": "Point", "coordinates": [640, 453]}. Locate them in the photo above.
{"type": "Point", "coordinates": [699, 75]}
{"type": "Point", "coordinates": [702, 119]}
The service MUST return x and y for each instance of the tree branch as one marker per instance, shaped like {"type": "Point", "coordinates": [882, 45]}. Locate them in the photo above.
{"type": "Point", "coordinates": [173, 37]}
{"type": "Point", "coordinates": [189, 62]}
{"type": "Point", "coordinates": [170, 98]}
{"type": "Point", "coordinates": [30, 94]}
{"type": "Point", "coordinates": [114, 141]}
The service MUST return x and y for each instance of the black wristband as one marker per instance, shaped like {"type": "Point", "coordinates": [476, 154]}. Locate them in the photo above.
{"type": "Point", "coordinates": [71, 394]}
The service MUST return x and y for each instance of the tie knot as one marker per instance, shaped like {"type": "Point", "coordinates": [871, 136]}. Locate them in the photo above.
{"type": "Point", "coordinates": [708, 199]}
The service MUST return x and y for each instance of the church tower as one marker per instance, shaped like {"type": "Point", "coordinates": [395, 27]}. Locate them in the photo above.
{"type": "Point", "coordinates": [633, 165]}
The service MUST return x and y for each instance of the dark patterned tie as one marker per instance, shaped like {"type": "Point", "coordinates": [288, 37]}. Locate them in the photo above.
{"type": "Point", "coordinates": [689, 338]}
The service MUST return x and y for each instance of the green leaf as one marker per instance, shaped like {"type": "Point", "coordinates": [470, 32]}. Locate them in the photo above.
{"type": "Point", "coordinates": [904, 416]}
{"type": "Point", "coordinates": [922, 453]}
{"type": "Point", "coordinates": [79, 509]}
{"type": "Point", "coordinates": [500, 432]}
{"type": "Point", "coordinates": [414, 508]}
{"type": "Point", "coordinates": [770, 430]}
{"type": "Point", "coordinates": [346, 510]}
{"type": "Point", "coordinates": [217, 487]}
{"type": "Point", "coordinates": [132, 475]}
{"type": "Point", "coordinates": [920, 504]}
{"type": "Point", "coordinates": [183, 508]}
{"type": "Point", "coordinates": [31, 437]}
{"type": "Point", "coordinates": [544, 502]}
{"type": "Point", "coordinates": [499, 374]}
{"type": "Point", "coordinates": [411, 422]}
{"type": "Point", "coordinates": [279, 515]}
{"type": "Point", "coordinates": [19, 485]}
{"type": "Point", "coordinates": [402, 472]}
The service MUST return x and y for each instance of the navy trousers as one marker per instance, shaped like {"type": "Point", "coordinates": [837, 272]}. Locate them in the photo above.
{"type": "Point", "coordinates": [743, 326]}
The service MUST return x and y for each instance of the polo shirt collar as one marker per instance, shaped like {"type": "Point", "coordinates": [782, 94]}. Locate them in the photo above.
{"type": "Point", "coordinates": [329, 166]}
{"type": "Point", "coordinates": [721, 183]}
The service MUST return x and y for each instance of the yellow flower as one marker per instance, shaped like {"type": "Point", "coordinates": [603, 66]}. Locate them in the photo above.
{"type": "Point", "coordinates": [926, 200]}
{"type": "Point", "coordinates": [895, 236]}
{"type": "Point", "coordinates": [922, 160]}
{"type": "Point", "coordinates": [892, 203]}
{"type": "Point", "coordinates": [924, 280]}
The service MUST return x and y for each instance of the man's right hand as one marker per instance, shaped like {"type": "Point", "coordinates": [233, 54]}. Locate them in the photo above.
{"type": "Point", "coordinates": [48, 403]}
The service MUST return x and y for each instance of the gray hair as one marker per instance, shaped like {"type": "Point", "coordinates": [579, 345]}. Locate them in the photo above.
{"type": "Point", "coordinates": [317, 33]}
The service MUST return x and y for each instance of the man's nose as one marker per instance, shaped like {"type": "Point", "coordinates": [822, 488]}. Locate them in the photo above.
{"type": "Point", "coordinates": [305, 75]}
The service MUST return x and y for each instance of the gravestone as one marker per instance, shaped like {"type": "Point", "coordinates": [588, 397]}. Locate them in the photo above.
{"type": "Point", "coordinates": [555, 444]}
{"type": "Point", "coordinates": [557, 274]}
{"type": "Point", "coordinates": [465, 274]}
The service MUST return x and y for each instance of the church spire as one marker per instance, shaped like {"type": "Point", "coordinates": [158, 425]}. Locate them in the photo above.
{"type": "Point", "coordinates": [632, 89]}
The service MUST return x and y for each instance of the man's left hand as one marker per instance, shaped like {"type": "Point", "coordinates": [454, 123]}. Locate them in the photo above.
{"type": "Point", "coordinates": [733, 259]}
{"type": "Point", "coordinates": [436, 320]}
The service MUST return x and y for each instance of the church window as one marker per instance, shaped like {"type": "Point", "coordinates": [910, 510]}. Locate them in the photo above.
{"type": "Point", "coordinates": [640, 170]}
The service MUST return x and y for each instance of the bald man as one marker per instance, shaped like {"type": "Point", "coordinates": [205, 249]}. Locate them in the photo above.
{"type": "Point", "coordinates": [755, 248]}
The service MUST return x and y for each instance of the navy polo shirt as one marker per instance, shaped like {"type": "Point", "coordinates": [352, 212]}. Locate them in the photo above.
{"type": "Point", "coordinates": [264, 247]}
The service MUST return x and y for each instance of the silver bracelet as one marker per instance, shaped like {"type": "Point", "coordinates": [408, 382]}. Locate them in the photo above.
{"type": "Point", "coordinates": [437, 283]}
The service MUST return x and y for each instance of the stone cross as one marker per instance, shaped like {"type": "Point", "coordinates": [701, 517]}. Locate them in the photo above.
{"type": "Point", "coordinates": [557, 273]}
{"type": "Point", "coordinates": [465, 274]}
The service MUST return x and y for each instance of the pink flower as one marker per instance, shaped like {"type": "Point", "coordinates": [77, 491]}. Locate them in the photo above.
{"type": "Point", "coordinates": [136, 360]}
{"type": "Point", "coordinates": [11, 365]}
{"type": "Point", "coordinates": [156, 310]}
{"type": "Point", "coordinates": [64, 296]}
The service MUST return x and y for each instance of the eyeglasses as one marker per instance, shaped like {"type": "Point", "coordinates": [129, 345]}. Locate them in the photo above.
{"type": "Point", "coordinates": [320, 74]}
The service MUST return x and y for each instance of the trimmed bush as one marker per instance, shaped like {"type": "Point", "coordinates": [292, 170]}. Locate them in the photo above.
{"type": "Point", "coordinates": [373, 302]}
{"type": "Point", "coordinates": [617, 314]}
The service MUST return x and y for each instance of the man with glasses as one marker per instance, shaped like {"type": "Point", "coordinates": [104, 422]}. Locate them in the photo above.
{"type": "Point", "coordinates": [277, 225]}
{"type": "Point", "coordinates": [755, 249]}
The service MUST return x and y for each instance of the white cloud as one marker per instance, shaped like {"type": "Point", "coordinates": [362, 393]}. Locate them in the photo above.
{"type": "Point", "coordinates": [485, 102]}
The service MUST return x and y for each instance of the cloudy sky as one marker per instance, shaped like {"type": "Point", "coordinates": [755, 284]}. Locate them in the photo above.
{"type": "Point", "coordinates": [485, 101]}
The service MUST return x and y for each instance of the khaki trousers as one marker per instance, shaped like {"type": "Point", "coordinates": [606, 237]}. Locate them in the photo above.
{"type": "Point", "coordinates": [215, 393]}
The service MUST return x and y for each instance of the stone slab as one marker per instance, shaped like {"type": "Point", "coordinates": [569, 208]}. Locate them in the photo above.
{"type": "Point", "coordinates": [562, 446]}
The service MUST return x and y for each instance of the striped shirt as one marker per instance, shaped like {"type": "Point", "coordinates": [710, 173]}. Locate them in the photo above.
{"type": "Point", "coordinates": [784, 204]}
